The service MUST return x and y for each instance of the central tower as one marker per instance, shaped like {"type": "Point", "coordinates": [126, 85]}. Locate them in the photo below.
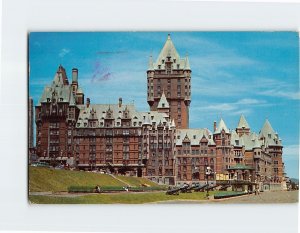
{"type": "Point", "coordinates": [170, 75]}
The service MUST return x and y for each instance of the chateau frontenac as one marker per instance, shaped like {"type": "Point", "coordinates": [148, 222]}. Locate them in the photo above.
{"type": "Point", "coordinates": [158, 144]}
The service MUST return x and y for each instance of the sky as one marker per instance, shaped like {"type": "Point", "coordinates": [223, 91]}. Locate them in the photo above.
{"type": "Point", "coordinates": [233, 73]}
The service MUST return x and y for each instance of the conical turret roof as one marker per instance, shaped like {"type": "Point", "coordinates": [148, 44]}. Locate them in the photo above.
{"type": "Point", "coordinates": [168, 50]}
{"type": "Point", "coordinates": [187, 63]}
{"type": "Point", "coordinates": [150, 65]}
{"type": "Point", "coordinates": [221, 126]}
{"type": "Point", "coordinates": [243, 123]}
{"type": "Point", "coordinates": [163, 102]}
{"type": "Point", "coordinates": [266, 129]}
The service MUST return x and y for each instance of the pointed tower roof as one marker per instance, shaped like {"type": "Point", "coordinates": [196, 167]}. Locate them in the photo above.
{"type": "Point", "coordinates": [187, 63]}
{"type": "Point", "coordinates": [150, 66]}
{"type": "Point", "coordinates": [221, 126]}
{"type": "Point", "coordinates": [168, 50]}
{"type": "Point", "coordinates": [163, 102]}
{"type": "Point", "coordinates": [243, 123]}
{"type": "Point", "coordinates": [266, 129]}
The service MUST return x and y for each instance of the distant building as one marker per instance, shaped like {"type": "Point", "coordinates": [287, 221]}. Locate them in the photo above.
{"type": "Point", "coordinates": [157, 144]}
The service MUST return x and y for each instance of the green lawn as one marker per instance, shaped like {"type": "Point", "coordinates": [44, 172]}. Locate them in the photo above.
{"type": "Point", "coordinates": [137, 181]}
{"type": "Point", "coordinates": [45, 179]}
{"type": "Point", "coordinates": [122, 198]}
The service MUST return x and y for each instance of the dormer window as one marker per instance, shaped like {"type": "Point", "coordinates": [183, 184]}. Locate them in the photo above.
{"type": "Point", "coordinates": [174, 60]}
{"type": "Point", "coordinates": [162, 61]}
{"type": "Point", "coordinates": [269, 135]}
{"type": "Point", "coordinates": [48, 99]}
{"type": "Point", "coordinates": [159, 66]}
{"type": "Point", "coordinates": [163, 105]}
{"type": "Point", "coordinates": [194, 136]}
{"type": "Point", "coordinates": [178, 66]}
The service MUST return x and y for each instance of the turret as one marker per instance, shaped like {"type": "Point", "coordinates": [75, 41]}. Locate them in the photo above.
{"type": "Point", "coordinates": [163, 105]}
{"type": "Point", "coordinates": [243, 126]}
{"type": "Point", "coordinates": [74, 80]}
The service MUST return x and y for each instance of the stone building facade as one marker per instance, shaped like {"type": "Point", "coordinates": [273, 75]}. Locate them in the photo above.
{"type": "Point", "coordinates": [157, 144]}
{"type": "Point", "coordinates": [171, 75]}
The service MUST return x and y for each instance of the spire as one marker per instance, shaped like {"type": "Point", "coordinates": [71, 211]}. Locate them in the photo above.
{"type": "Point", "coordinates": [150, 67]}
{"type": "Point", "coordinates": [168, 50]}
{"type": "Point", "coordinates": [266, 129]}
{"type": "Point", "coordinates": [187, 63]}
{"type": "Point", "coordinates": [221, 126]}
{"type": "Point", "coordinates": [163, 102]}
{"type": "Point", "coordinates": [243, 123]}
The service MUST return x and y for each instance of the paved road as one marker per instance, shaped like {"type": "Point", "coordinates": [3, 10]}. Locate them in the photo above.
{"type": "Point", "coordinates": [265, 197]}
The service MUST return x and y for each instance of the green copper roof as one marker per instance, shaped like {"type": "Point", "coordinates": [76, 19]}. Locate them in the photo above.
{"type": "Point", "coordinates": [194, 135]}
{"type": "Point", "coordinates": [269, 136]}
{"type": "Point", "coordinates": [243, 123]}
{"type": "Point", "coordinates": [169, 50]}
{"type": "Point", "coordinates": [150, 66]}
{"type": "Point", "coordinates": [221, 126]}
{"type": "Point", "coordinates": [187, 64]}
{"type": "Point", "coordinates": [163, 102]}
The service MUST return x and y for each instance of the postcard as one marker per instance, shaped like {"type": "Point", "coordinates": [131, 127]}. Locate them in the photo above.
{"type": "Point", "coordinates": [163, 117]}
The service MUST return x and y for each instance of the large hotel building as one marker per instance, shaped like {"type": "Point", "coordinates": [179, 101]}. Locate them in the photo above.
{"type": "Point", "coordinates": [157, 144]}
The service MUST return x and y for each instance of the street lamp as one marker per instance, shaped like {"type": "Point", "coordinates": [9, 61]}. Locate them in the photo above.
{"type": "Point", "coordinates": [208, 173]}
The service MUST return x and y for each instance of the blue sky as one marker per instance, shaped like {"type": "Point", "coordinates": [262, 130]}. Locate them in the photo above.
{"type": "Point", "coordinates": [233, 73]}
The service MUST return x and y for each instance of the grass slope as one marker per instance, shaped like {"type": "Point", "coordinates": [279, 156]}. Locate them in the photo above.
{"type": "Point", "coordinates": [45, 179]}
{"type": "Point", "coordinates": [121, 198]}
{"type": "Point", "coordinates": [137, 181]}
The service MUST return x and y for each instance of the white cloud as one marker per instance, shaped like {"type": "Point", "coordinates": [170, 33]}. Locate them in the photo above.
{"type": "Point", "coordinates": [251, 101]}
{"type": "Point", "coordinates": [282, 93]}
{"type": "Point", "coordinates": [63, 52]}
{"type": "Point", "coordinates": [243, 106]}
{"type": "Point", "coordinates": [291, 152]}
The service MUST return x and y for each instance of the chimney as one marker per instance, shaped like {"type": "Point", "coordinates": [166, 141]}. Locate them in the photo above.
{"type": "Point", "coordinates": [88, 101]}
{"type": "Point", "coordinates": [74, 75]}
{"type": "Point", "coordinates": [215, 126]}
{"type": "Point", "coordinates": [120, 102]}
